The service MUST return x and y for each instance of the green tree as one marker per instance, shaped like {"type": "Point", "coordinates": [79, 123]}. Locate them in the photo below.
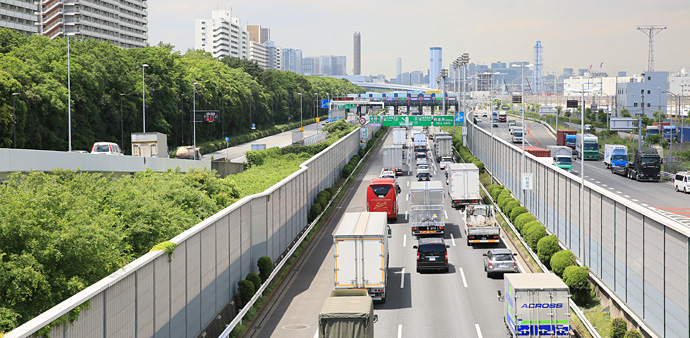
{"type": "Point", "coordinates": [255, 279]}
{"type": "Point", "coordinates": [625, 112]}
{"type": "Point", "coordinates": [632, 333]}
{"type": "Point", "coordinates": [265, 265]}
{"type": "Point", "coordinates": [533, 232]}
{"type": "Point", "coordinates": [659, 116]}
{"type": "Point", "coordinates": [618, 328]}
{"type": "Point", "coordinates": [561, 260]}
{"type": "Point", "coordinates": [546, 248]}
{"type": "Point", "coordinates": [576, 278]}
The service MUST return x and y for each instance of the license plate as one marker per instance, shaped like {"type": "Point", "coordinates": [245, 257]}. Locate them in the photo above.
{"type": "Point", "coordinates": [432, 259]}
{"type": "Point", "coordinates": [432, 228]}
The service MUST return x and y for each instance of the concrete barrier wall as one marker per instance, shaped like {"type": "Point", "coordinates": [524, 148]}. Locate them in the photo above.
{"type": "Point", "coordinates": [642, 256]}
{"type": "Point", "coordinates": [178, 296]}
{"type": "Point", "coordinates": [19, 160]}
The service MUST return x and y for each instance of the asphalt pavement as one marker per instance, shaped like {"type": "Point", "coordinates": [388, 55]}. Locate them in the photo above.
{"type": "Point", "coordinates": [460, 303]}
{"type": "Point", "coordinates": [236, 153]}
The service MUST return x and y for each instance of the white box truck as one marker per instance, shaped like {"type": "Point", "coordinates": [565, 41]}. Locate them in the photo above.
{"type": "Point", "coordinates": [463, 181]}
{"type": "Point", "coordinates": [419, 141]}
{"type": "Point", "coordinates": [536, 305]}
{"type": "Point", "coordinates": [400, 137]}
{"type": "Point", "coordinates": [360, 244]}
{"type": "Point", "coordinates": [443, 147]}
{"type": "Point", "coordinates": [562, 157]}
{"type": "Point", "coordinates": [427, 216]}
{"type": "Point", "coordinates": [393, 158]}
{"type": "Point", "coordinates": [150, 145]}
{"type": "Point", "coordinates": [481, 226]}
{"type": "Point", "coordinates": [347, 313]}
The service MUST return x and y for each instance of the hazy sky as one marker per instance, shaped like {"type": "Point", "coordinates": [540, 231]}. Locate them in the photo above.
{"type": "Point", "coordinates": [574, 34]}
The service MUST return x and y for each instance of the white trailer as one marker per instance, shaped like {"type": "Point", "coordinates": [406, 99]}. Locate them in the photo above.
{"type": "Point", "coordinates": [400, 137]}
{"type": "Point", "coordinates": [536, 305]}
{"type": "Point", "coordinates": [360, 244]}
{"type": "Point", "coordinates": [427, 216]}
{"type": "Point", "coordinates": [443, 147]}
{"type": "Point", "coordinates": [481, 226]}
{"type": "Point", "coordinates": [150, 145]}
{"type": "Point", "coordinates": [463, 181]}
{"type": "Point", "coordinates": [393, 158]}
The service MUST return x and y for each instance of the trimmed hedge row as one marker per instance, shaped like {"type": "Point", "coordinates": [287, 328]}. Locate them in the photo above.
{"type": "Point", "coordinates": [252, 283]}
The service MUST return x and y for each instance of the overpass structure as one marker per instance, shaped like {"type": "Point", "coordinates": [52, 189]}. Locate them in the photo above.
{"type": "Point", "coordinates": [390, 86]}
{"type": "Point", "coordinates": [637, 256]}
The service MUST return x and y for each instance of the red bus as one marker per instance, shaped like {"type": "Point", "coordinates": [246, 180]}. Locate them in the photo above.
{"type": "Point", "coordinates": [382, 196]}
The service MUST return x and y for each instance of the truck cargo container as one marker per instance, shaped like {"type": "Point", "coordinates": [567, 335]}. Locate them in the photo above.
{"type": "Point", "coordinates": [516, 135]}
{"type": "Point", "coordinates": [427, 208]}
{"type": "Point", "coordinates": [463, 184]}
{"type": "Point", "coordinates": [382, 196]}
{"type": "Point", "coordinates": [502, 116]}
{"type": "Point", "coordinates": [536, 305]}
{"type": "Point", "coordinates": [616, 158]}
{"type": "Point", "coordinates": [561, 139]}
{"type": "Point", "coordinates": [360, 243]}
{"type": "Point", "coordinates": [537, 151]}
{"type": "Point", "coordinates": [443, 147]}
{"type": "Point", "coordinates": [562, 157]}
{"type": "Point", "coordinates": [393, 158]}
{"type": "Point", "coordinates": [419, 141]}
{"type": "Point", "coordinates": [587, 146]}
{"type": "Point", "coordinates": [481, 226]}
{"type": "Point", "coordinates": [400, 137]}
{"type": "Point", "coordinates": [347, 313]}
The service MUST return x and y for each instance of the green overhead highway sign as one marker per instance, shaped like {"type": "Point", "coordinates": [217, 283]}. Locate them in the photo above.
{"type": "Point", "coordinates": [413, 121]}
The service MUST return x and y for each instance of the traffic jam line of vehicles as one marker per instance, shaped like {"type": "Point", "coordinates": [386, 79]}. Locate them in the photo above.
{"type": "Point", "coordinates": [361, 248]}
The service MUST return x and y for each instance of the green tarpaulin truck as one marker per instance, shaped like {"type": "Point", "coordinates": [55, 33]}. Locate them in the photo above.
{"type": "Point", "coordinates": [347, 313]}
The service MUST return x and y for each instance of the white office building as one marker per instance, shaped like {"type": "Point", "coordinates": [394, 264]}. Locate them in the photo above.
{"type": "Point", "coordinates": [645, 96]}
{"type": "Point", "coordinates": [123, 22]}
{"type": "Point", "coordinates": [19, 15]}
{"type": "Point", "coordinates": [275, 55]}
{"type": "Point", "coordinates": [292, 60]}
{"type": "Point", "coordinates": [599, 86]}
{"type": "Point", "coordinates": [258, 52]}
{"type": "Point", "coordinates": [435, 63]}
{"type": "Point", "coordinates": [222, 35]}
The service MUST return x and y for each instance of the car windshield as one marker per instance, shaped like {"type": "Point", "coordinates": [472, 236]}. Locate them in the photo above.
{"type": "Point", "coordinates": [652, 131]}
{"type": "Point", "coordinates": [619, 157]}
{"type": "Point", "coordinates": [380, 190]}
{"type": "Point", "coordinates": [518, 134]}
{"type": "Point", "coordinates": [503, 257]}
{"type": "Point", "coordinates": [650, 161]}
{"type": "Point", "coordinates": [570, 141]}
{"type": "Point", "coordinates": [565, 160]}
{"type": "Point", "coordinates": [432, 248]}
{"type": "Point", "coordinates": [591, 146]}
{"type": "Point", "coordinates": [101, 148]}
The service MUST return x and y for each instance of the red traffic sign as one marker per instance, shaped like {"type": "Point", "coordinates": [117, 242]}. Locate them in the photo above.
{"type": "Point", "coordinates": [362, 121]}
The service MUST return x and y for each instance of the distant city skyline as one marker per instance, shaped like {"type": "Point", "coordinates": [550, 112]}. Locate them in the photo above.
{"type": "Point", "coordinates": [573, 34]}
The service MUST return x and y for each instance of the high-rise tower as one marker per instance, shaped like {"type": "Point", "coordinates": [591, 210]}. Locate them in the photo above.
{"type": "Point", "coordinates": [398, 67]}
{"type": "Point", "coordinates": [435, 62]}
{"type": "Point", "coordinates": [358, 55]}
{"type": "Point", "coordinates": [538, 64]}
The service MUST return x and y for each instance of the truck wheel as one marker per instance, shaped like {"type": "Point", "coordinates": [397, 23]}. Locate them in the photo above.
{"type": "Point", "coordinates": [488, 274]}
{"type": "Point", "coordinates": [383, 300]}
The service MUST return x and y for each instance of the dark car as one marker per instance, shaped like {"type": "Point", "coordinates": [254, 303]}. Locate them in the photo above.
{"type": "Point", "coordinates": [431, 254]}
{"type": "Point", "coordinates": [499, 261]}
{"type": "Point", "coordinates": [423, 177]}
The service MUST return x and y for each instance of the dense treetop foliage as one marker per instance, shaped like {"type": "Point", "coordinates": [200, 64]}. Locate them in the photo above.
{"type": "Point", "coordinates": [242, 92]}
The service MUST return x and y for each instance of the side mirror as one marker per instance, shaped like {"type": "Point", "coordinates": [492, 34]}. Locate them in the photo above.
{"type": "Point", "coordinates": [515, 254]}
{"type": "Point", "coordinates": [414, 247]}
{"type": "Point", "coordinates": [376, 317]}
{"type": "Point", "coordinates": [390, 234]}
{"type": "Point", "coordinates": [485, 256]}
{"type": "Point", "coordinates": [447, 246]}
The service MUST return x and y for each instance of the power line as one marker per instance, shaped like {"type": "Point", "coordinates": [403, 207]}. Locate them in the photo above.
{"type": "Point", "coordinates": [650, 31]}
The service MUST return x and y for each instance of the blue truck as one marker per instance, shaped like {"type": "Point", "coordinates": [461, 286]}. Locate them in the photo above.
{"type": "Point", "coordinates": [616, 158]}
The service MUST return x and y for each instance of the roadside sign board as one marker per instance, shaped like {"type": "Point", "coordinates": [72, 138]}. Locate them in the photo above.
{"type": "Point", "coordinates": [413, 121]}
{"type": "Point", "coordinates": [517, 99]}
{"type": "Point", "coordinates": [324, 103]}
{"type": "Point", "coordinates": [527, 181]}
{"type": "Point", "coordinates": [362, 121]}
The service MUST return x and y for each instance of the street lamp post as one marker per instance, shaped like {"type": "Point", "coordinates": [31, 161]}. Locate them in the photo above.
{"type": "Point", "coordinates": [69, 99]}
{"type": "Point", "coordinates": [444, 75]}
{"type": "Point", "coordinates": [14, 120]}
{"type": "Point", "coordinates": [522, 98]}
{"type": "Point", "coordinates": [194, 117]}
{"type": "Point", "coordinates": [316, 108]}
{"type": "Point", "coordinates": [122, 125]}
{"type": "Point", "coordinates": [300, 112]}
{"type": "Point", "coordinates": [143, 95]}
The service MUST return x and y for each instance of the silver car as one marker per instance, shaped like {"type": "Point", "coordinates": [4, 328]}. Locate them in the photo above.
{"type": "Point", "coordinates": [499, 261]}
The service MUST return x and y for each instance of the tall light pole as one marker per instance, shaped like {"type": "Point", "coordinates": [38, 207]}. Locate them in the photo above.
{"type": "Point", "coordinates": [316, 108]}
{"type": "Point", "coordinates": [301, 127]}
{"type": "Point", "coordinates": [143, 95]}
{"type": "Point", "coordinates": [69, 99]}
{"type": "Point", "coordinates": [14, 120]}
{"type": "Point", "coordinates": [522, 98]}
{"type": "Point", "coordinates": [194, 117]}
{"type": "Point", "coordinates": [444, 75]}
{"type": "Point", "coordinates": [122, 125]}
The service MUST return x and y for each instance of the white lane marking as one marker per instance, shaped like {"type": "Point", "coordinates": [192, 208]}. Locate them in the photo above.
{"type": "Point", "coordinates": [402, 278]}
{"type": "Point", "coordinates": [479, 331]}
{"type": "Point", "coordinates": [610, 188]}
{"type": "Point", "coordinates": [452, 239]}
{"type": "Point", "coordinates": [598, 182]}
{"type": "Point", "coordinates": [626, 196]}
{"type": "Point", "coordinates": [407, 197]}
{"type": "Point", "coordinates": [399, 330]}
{"type": "Point", "coordinates": [464, 281]}
{"type": "Point", "coordinates": [316, 334]}
{"type": "Point", "coordinates": [405, 213]}
{"type": "Point", "coordinates": [445, 213]}
{"type": "Point", "coordinates": [408, 183]}
{"type": "Point", "coordinates": [404, 240]}
{"type": "Point", "coordinates": [634, 200]}
{"type": "Point", "coordinates": [604, 185]}
{"type": "Point", "coordinates": [644, 205]}
{"type": "Point", "coordinates": [618, 192]}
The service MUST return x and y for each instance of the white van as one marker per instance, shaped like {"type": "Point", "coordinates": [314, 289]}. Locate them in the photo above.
{"type": "Point", "coordinates": [682, 181]}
